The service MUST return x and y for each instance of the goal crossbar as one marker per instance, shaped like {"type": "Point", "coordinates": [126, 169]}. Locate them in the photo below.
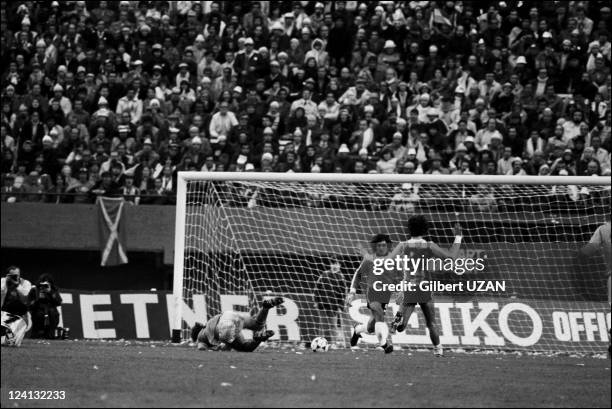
{"type": "Point", "coordinates": [393, 178]}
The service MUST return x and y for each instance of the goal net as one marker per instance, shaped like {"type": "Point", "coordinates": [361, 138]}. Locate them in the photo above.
{"type": "Point", "coordinates": [243, 236]}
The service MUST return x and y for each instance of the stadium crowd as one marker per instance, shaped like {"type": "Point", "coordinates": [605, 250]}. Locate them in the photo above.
{"type": "Point", "coordinates": [113, 98]}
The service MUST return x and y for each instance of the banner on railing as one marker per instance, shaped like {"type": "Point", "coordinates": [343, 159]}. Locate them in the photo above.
{"type": "Point", "coordinates": [500, 323]}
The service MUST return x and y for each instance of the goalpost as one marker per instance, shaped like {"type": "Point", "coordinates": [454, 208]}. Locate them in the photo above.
{"type": "Point", "coordinates": [243, 236]}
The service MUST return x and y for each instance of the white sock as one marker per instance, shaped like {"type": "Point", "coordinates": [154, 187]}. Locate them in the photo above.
{"type": "Point", "coordinates": [382, 332]}
{"type": "Point", "coordinates": [360, 329]}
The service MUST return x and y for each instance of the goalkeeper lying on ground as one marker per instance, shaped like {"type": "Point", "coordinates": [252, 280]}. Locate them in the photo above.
{"type": "Point", "coordinates": [224, 331]}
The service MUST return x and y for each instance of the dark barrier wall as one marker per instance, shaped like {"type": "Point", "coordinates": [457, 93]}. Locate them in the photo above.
{"type": "Point", "coordinates": [151, 228]}
{"type": "Point", "coordinates": [75, 227]}
{"type": "Point", "coordinates": [63, 240]}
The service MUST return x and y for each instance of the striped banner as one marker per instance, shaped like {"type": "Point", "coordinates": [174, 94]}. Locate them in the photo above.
{"type": "Point", "coordinates": [112, 231]}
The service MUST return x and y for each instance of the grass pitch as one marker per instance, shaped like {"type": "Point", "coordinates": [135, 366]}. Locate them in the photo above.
{"type": "Point", "coordinates": [125, 374]}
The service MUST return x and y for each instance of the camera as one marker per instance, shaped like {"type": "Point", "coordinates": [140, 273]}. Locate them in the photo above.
{"type": "Point", "coordinates": [12, 279]}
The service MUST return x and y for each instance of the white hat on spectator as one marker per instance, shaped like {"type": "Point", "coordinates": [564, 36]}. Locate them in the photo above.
{"type": "Point", "coordinates": [363, 6]}
{"type": "Point", "coordinates": [274, 104]}
{"type": "Point", "coordinates": [282, 54]}
{"type": "Point", "coordinates": [433, 48]}
{"type": "Point", "coordinates": [41, 43]}
{"type": "Point", "coordinates": [543, 166]}
{"type": "Point", "coordinates": [26, 21]}
{"type": "Point", "coordinates": [288, 15]}
{"type": "Point", "coordinates": [397, 135]}
{"type": "Point", "coordinates": [137, 62]}
{"type": "Point", "coordinates": [433, 112]}
{"type": "Point", "coordinates": [248, 40]}
{"type": "Point", "coordinates": [62, 68]}
{"type": "Point", "coordinates": [80, 68]}
{"type": "Point", "coordinates": [200, 38]}
{"type": "Point", "coordinates": [379, 8]}
{"type": "Point", "coordinates": [267, 156]}
{"type": "Point", "coordinates": [461, 147]}
{"type": "Point", "coordinates": [400, 121]}
{"type": "Point", "coordinates": [521, 59]}
{"type": "Point", "coordinates": [389, 44]}
{"type": "Point", "coordinates": [496, 135]}
{"type": "Point", "coordinates": [242, 160]}
{"type": "Point", "coordinates": [424, 96]}
{"type": "Point", "coordinates": [368, 108]}
{"type": "Point", "coordinates": [194, 129]}
{"type": "Point", "coordinates": [277, 26]}
{"type": "Point", "coordinates": [148, 142]}
{"type": "Point", "coordinates": [297, 132]}
{"type": "Point", "coordinates": [196, 140]}
{"type": "Point", "coordinates": [102, 101]}
{"type": "Point", "coordinates": [406, 186]}
{"type": "Point", "coordinates": [206, 80]}
{"type": "Point", "coordinates": [343, 149]}
{"type": "Point", "coordinates": [58, 87]}
{"type": "Point", "coordinates": [363, 151]}
{"type": "Point", "coordinates": [319, 5]}
{"type": "Point", "coordinates": [173, 129]}
{"type": "Point", "coordinates": [238, 89]}
{"type": "Point", "coordinates": [563, 172]}
{"type": "Point", "coordinates": [547, 34]}
{"type": "Point", "coordinates": [249, 167]}
{"type": "Point", "coordinates": [154, 102]}
{"type": "Point", "coordinates": [412, 151]}
{"type": "Point", "coordinates": [480, 101]}
{"type": "Point", "coordinates": [54, 4]}
{"type": "Point", "coordinates": [263, 50]}
{"type": "Point", "coordinates": [47, 139]}
{"type": "Point", "coordinates": [469, 138]}
{"type": "Point", "coordinates": [305, 30]}
{"type": "Point", "coordinates": [268, 130]}
{"type": "Point", "coordinates": [315, 169]}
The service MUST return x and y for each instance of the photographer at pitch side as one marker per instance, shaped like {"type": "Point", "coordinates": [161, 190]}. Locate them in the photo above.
{"type": "Point", "coordinates": [15, 302]}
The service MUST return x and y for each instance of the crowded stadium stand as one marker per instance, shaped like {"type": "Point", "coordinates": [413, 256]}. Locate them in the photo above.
{"type": "Point", "coordinates": [113, 99]}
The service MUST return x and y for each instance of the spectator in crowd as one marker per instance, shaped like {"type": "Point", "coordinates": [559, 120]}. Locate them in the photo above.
{"type": "Point", "coordinates": [127, 99]}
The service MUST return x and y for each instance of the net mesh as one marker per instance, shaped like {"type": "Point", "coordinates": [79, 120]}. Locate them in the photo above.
{"type": "Point", "coordinates": [251, 239]}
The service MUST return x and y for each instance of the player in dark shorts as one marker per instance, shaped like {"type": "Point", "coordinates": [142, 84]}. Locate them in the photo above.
{"type": "Point", "coordinates": [415, 248]}
{"type": "Point", "coordinates": [376, 300]}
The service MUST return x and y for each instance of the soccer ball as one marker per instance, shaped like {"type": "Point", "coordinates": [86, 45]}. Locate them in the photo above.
{"type": "Point", "coordinates": [319, 344]}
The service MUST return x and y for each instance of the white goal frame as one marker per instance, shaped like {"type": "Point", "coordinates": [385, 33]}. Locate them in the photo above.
{"type": "Point", "coordinates": [184, 177]}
